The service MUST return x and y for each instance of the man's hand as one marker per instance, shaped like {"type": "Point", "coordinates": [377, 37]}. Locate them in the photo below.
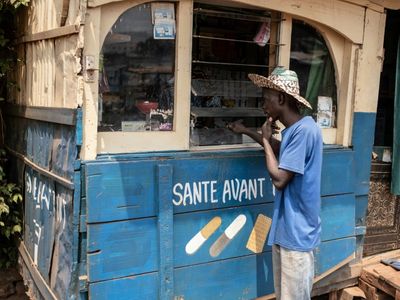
{"type": "Point", "coordinates": [237, 126]}
{"type": "Point", "coordinates": [267, 129]}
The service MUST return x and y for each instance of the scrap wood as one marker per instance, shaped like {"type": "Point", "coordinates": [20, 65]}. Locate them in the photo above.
{"type": "Point", "coordinates": [382, 277]}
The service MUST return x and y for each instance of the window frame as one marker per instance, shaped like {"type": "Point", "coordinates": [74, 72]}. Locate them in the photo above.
{"type": "Point", "coordinates": [100, 19]}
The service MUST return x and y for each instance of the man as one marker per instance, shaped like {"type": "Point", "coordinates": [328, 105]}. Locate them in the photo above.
{"type": "Point", "coordinates": [295, 229]}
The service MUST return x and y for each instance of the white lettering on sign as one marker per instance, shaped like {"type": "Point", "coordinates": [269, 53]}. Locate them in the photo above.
{"type": "Point", "coordinates": [192, 193]}
{"type": "Point", "coordinates": [43, 196]}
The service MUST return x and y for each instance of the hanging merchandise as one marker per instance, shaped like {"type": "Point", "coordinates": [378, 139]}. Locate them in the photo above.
{"type": "Point", "coordinates": [263, 34]}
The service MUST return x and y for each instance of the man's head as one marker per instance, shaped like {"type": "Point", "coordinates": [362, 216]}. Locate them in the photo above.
{"type": "Point", "coordinates": [281, 92]}
{"type": "Point", "coordinates": [277, 104]}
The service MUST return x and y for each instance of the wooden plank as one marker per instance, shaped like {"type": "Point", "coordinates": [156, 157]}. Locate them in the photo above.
{"type": "Point", "coordinates": [351, 293]}
{"type": "Point", "coordinates": [165, 232]}
{"type": "Point", "coordinates": [129, 288]}
{"type": "Point", "coordinates": [111, 185]}
{"type": "Point", "coordinates": [121, 190]}
{"type": "Point", "coordinates": [244, 277]}
{"type": "Point", "coordinates": [382, 277]}
{"type": "Point", "coordinates": [334, 268]}
{"type": "Point", "coordinates": [328, 257]}
{"type": "Point", "coordinates": [337, 216]}
{"type": "Point", "coordinates": [50, 34]}
{"type": "Point", "coordinates": [62, 181]}
{"type": "Point", "coordinates": [337, 172]}
{"type": "Point", "coordinates": [110, 244]}
{"type": "Point", "coordinates": [65, 116]}
{"type": "Point", "coordinates": [362, 140]}
{"type": "Point", "coordinates": [40, 283]}
{"type": "Point", "coordinates": [372, 293]}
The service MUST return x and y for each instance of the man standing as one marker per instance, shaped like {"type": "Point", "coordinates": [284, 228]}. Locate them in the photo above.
{"type": "Point", "coordinates": [296, 175]}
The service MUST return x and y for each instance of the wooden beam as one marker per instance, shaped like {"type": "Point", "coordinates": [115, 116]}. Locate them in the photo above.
{"type": "Point", "coordinates": [65, 182]}
{"type": "Point", "coordinates": [65, 116]}
{"type": "Point", "coordinates": [382, 277]}
{"type": "Point", "coordinates": [39, 281]}
{"type": "Point", "coordinates": [50, 34]}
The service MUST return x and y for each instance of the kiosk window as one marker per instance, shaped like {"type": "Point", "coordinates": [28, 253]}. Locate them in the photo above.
{"type": "Point", "coordinates": [136, 83]}
{"type": "Point", "coordinates": [228, 44]}
{"type": "Point", "coordinates": [311, 59]}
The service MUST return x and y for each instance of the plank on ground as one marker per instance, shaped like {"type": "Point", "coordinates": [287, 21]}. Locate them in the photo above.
{"type": "Point", "coordinates": [383, 277]}
{"type": "Point", "coordinates": [372, 293]}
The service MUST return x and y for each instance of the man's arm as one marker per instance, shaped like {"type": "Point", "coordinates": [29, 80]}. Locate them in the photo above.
{"type": "Point", "coordinates": [280, 177]}
{"type": "Point", "coordinates": [238, 127]}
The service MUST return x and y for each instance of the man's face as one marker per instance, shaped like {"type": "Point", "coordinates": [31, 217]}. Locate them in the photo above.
{"type": "Point", "coordinates": [271, 105]}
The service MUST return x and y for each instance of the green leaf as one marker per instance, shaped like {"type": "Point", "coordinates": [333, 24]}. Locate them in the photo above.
{"type": "Point", "coordinates": [16, 228]}
{"type": "Point", "coordinates": [2, 223]}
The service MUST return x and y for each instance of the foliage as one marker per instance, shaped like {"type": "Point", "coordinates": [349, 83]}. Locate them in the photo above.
{"type": "Point", "coordinates": [8, 58]}
{"type": "Point", "coordinates": [10, 197]}
{"type": "Point", "coordinates": [10, 217]}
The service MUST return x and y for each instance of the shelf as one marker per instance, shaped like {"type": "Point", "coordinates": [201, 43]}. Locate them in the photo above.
{"type": "Point", "coordinates": [231, 64]}
{"type": "Point", "coordinates": [231, 40]}
{"type": "Point", "coordinates": [234, 89]}
{"type": "Point", "coordinates": [152, 69]}
{"type": "Point", "coordinates": [233, 15]}
{"type": "Point", "coordinates": [213, 112]}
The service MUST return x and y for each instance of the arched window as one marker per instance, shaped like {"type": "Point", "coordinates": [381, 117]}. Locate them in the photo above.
{"type": "Point", "coordinates": [137, 70]}
{"type": "Point", "coordinates": [311, 59]}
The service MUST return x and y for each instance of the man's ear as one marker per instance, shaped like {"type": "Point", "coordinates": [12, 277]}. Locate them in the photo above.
{"type": "Point", "coordinates": [282, 99]}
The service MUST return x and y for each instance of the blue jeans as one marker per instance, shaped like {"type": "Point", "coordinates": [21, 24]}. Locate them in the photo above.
{"type": "Point", "coordinates": [293, 273]}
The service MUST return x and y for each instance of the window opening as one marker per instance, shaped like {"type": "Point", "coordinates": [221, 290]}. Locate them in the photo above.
{"type": "Point", "coordinates": [136, 83]}
{"type": "Point", "coordinates": [228, 44]}
{"type": "Point", "coordinates": [311, 60]}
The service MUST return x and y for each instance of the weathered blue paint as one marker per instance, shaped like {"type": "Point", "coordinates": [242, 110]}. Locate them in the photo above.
{"type": "Point", "coordinates": [52, 209]}
{"type": "Point", "coordinates": [337, 216]}
{"type": "Point", "coordinates": [165, 231]}
{"type": "Point", "coordinates": [133, 244]}
{"type": "Point", "coordinates": [362, 141]}
{"type": "Point", "coordinates": [331, 253]}
{"type": "Point", "coordinates": [129, 288]}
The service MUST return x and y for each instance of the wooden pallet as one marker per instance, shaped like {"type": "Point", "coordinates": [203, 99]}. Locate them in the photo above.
{"type": "Point", "coordinates": [379, 281]}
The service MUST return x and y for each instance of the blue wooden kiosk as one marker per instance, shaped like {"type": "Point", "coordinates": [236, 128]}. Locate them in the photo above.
{"type": "Point", "coordinates": [114, 192]}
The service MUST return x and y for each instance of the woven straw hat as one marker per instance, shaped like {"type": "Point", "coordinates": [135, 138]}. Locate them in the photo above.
{"type": "Point", "coordinates": [282, 80]}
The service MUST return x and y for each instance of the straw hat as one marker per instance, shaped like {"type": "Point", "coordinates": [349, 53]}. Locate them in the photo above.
{"type": "Point", "coordinates": [282, 80]}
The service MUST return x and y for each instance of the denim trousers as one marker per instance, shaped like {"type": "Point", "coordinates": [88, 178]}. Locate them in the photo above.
{"type": "Point", "coordinates": [293, 273]}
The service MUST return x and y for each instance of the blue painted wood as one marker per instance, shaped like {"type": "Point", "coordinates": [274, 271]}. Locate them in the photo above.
{"type": "Point", "coordinates": [39, 143]}
{"type": "Point", "coordinates": [64, 152]}
{"type": "Point", "coordinates": [79, 126]}
{"type": "Point", "coordinates": [363, 139]}
{"type": "Point", "coordinates": [76, 216]}
{"type": "Point", "coordinates": [48, 229]}
{"type": "Point", "coordinates": [39, 219]}
{"type": "Point", "coordinates": [165, 232]}
{"type": "Point", "coordinates": [337, 172]}
{"type": "Point", "coordinates": [129, 288]}
{"type": "Point", "coordinates": [111, 244]}
{"type": "Point", "coordinates": [62, 264]}
{"type": "Point", "coordinates": [331, 253]}
{"type": "Point", "coordinates": [244, 277]}
{"type": "Point", "coordinates": [118, 191]}
{"type": "Point", "coordinates": [125, 189]}
{"type": "Point", "coordinates": [122, 248]}
{"type": "Point", "coordinates": [237, 278]}
{"type": "Point", "coordinates": [337, 216]}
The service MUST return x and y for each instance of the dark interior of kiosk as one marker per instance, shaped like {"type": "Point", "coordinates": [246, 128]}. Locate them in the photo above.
{"type": "Point", "coordinates": [224, 50]}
